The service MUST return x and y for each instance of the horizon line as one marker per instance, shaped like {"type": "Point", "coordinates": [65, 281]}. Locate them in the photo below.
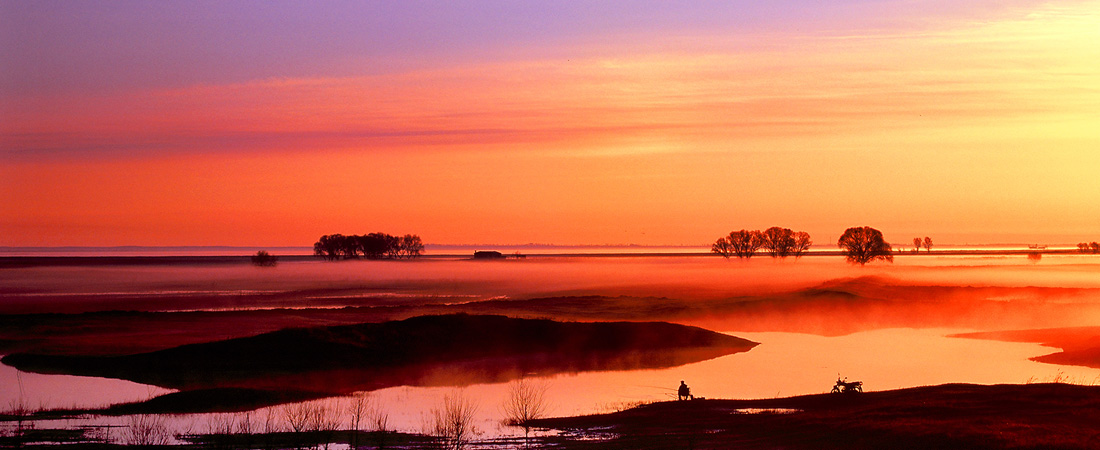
{"type": "Point", "coordinates": [27, 248]}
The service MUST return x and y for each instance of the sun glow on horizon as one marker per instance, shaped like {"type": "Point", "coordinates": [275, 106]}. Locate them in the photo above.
{"type": "Point", "coordinates": [974, 127]}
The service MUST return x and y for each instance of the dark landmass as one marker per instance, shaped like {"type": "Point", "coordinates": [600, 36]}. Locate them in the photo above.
{"type": "Point", "coordinates": [1080, 345]}
{"type": "Point", "coordinates": [835, 308]}
{"type": "Point", "coordinates": [93, 261]}
{"type": "Point", "coordinates": [105, 333]}
{"type": "Point", "coordinates": [954, 416]}
{"type": "Point", "coordinates": [422, 351]}
{"type": "Point", "coordinates": [311, 439]}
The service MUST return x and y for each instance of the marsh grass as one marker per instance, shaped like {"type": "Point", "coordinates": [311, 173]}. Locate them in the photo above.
{"type": "Point", "coordinates": [145, 430]}
{"type": "Point", "coordinates": [1063, 378]}
{"type": "Point", "coordinates": [367, 414]}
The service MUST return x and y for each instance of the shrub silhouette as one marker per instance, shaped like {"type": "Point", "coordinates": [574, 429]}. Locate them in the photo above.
{"type": "Point", "coordinates": [264, 259]}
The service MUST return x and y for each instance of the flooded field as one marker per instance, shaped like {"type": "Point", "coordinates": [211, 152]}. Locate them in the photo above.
{"type": "Point", "coordinates": [817, 318]}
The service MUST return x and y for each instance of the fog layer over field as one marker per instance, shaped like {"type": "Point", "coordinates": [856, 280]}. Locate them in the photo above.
{"type": "Point", "coordinates": [813, 294]}
{"type": "Point", "coordinates": [814, 317]}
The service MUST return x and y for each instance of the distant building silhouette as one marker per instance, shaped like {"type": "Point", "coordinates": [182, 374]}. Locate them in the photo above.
{"type": "Point", "coordinates": [488, 254]}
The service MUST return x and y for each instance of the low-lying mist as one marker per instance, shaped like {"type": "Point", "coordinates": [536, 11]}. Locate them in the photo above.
{"type": "Point", "coordinates": [145, 308]}
{"type": "Point", "coordinates": [354, 283]}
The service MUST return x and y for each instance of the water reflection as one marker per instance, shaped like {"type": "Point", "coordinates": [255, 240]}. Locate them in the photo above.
{"type": "Point", "coordinates": [785, 364]}
{"type": "Point", "coordinates": [37, 391]}
{"type": "Point", "coordinates": [815, 294]}
{"type": "Point", "coordinates": [448, 350]}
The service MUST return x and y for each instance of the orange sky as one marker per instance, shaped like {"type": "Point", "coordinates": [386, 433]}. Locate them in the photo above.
{"type": "Point", "coordinates": [983, 127]}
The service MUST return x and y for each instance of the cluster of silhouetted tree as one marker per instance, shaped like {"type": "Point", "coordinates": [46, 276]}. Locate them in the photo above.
{"type": "Point", "coordinates": [1089, 247]}
{"type": "Point", "coordinates": [918, 242]}
{"type": "Point", "coordinates": [370, 246]}
{"type": "Point", "coordinates": [777, 242]}
{"type": "Point", "coordinates": [860, 245]}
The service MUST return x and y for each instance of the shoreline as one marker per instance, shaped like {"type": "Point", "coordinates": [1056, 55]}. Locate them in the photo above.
{"type": "Point", "coordinates": [959, 416]}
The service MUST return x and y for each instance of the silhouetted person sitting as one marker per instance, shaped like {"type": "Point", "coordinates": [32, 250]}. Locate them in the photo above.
{"type": "Point", "coordinates": [685, 392]}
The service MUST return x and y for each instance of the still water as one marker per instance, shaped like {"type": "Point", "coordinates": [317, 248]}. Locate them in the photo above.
{"type": "Point", "coordinates": [784, 364]}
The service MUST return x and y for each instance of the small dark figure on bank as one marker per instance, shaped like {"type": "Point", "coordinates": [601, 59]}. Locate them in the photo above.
{"type": "Point", "coordinates": [684, 392]}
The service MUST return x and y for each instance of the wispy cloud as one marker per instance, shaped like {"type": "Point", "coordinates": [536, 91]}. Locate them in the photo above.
{"type": "Point", "coordinates": [612, 125]}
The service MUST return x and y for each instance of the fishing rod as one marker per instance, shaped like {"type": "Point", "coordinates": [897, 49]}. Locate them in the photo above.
{"type": "Point", "coordinates": [656, 387]}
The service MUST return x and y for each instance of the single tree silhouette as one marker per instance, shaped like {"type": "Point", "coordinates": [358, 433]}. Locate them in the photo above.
{"type": "Point", "coordinates": [916, 244]}
{"type": "Point", "coordinates": [802, 243]}
{"type": "Point", "coordinates": [723, 247]}
{"type": "Point", "coordinates": [410, 246]}
{"type": "Point", "coordinates": [862, 245]}
{"type": "Point", "coordinates": [927, 244]}
{"type": "Point", "coordinates": [452, 422]}
{"type": "Point", "coordinates": [526, 402]}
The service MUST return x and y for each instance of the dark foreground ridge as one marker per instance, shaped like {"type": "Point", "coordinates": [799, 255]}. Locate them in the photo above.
{"type": "Point", "coordinates": [427, 351]}
{"type": "Point", "coordinates": [955, 416]}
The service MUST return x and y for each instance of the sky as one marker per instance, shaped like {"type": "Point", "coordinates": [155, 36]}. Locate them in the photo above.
{"type": "Point", "coordinates": [510, 122]}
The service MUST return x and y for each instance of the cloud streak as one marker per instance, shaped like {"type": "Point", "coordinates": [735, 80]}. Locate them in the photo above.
{"type": "Point", "coordinates": [618, 125]}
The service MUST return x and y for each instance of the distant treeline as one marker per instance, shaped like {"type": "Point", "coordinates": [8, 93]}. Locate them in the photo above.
{"type": "Point", "coordinates": [1087, 247]}
{"type": "Point", "coordinates": [370, 246]}
{"type": "Point", "coordinates": [860, 245]}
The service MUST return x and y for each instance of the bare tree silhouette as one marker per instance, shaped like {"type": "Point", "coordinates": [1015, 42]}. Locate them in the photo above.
{"type": "Point", "coordinates": [916, 244]}
{"type": "Point", "coordinates": [927, 244]}
{"type": "Point", "coordinates": [862, 245]}
{"type": "Point", "coordinates": [802, 243]}
{"type": "Point", "coordinates": [723, 247]}
{"type": "Point", "coordinates": [411, 246]}
{"type": "Point", "coordinates": [526, 402]}
{"type": "Point", "coordinates": [779, 242]}
{"type": "Point", "coordinates": [330, 246]}
{"type": "Point", "coordinates": [742, 244]}
{"type": "Point", "coordinates": [379, 421]}
{"type": "Point", "coordinates": [357, 409]}
{"type": "Point", "coordinates": [452, 422]}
